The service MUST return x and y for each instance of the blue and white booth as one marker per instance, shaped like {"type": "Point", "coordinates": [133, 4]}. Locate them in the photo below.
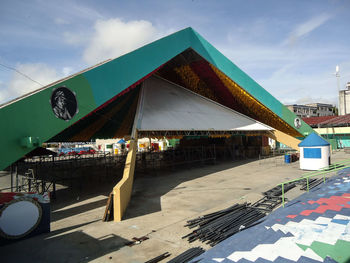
{"type": "Point", "coordinates": [314, 153]}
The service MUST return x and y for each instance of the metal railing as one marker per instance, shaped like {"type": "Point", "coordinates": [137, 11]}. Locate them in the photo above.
{"type": "Point", "coordinates": [324, 171]}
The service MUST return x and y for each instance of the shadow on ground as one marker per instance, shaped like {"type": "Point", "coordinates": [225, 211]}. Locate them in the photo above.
{"type": "Point", "coordinates": [150, 187]}
{"type": "Point", "coordinates": [75, 246]}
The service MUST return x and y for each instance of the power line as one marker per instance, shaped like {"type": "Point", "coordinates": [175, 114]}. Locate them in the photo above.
{"type": "Point", "coordinates": [17, 71]}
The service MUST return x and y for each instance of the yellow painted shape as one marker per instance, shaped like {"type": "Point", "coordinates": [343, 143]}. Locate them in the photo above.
{"type": "Point", "coordinates": [194, 83]}
{"type": "Point", "coordinates": [122, 191]}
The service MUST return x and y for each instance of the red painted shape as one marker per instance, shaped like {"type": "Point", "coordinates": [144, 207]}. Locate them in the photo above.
{"type": "Point", "coordinates": [6, 197]}
{"type": "Point", "coordinates": [9, 196]}
{"type": "Point", "coordinates": [291, 216]}
{"type": "Point", "coordinates": [204, 71]}
{"type": "Point", "coordinates": [335, 203]}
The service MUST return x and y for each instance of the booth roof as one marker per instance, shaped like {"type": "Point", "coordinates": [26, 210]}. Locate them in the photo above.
{"type": "Point", "coordinates": [313, 140]}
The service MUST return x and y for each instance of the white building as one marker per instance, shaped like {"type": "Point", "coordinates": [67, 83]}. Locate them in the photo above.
{"type": "Point", "coordinates": [344, 100]}
{"type": "Point", "coordinates": [312, 109]}
{"type": "Point", "coordinates": [314, 153]}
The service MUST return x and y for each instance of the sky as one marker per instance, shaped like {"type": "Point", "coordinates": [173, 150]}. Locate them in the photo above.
{"type": "Point", "coordinates": [290, 47]}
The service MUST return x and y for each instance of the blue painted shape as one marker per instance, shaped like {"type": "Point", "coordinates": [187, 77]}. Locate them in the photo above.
{"type": "Point", "coordinates": [313, 140]}
{"type": "Point", "coordinates": [340, 221]}
{"type": "Point", "coordinates": [312, 153]}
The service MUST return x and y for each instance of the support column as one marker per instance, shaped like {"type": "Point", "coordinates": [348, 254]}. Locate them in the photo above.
{"type": "Point", "coordinates": [123, 190]}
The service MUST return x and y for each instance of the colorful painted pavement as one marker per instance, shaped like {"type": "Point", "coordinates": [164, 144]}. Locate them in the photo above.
{"type": "Point", "coordinates": [312, 228]}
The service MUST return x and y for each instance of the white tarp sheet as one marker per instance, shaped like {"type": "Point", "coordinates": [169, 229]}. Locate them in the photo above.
{"type": "Point", "coordinates": [165, 106]}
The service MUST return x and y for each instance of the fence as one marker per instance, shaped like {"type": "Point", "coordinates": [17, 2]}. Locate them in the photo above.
{"type": "Point", "coordinates": [324, 171]}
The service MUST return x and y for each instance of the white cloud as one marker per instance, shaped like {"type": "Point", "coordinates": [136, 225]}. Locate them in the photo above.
{"type": "Point", "coordinates": [20, 85]}
{"type": "Point", "coordinates": [295, 87]}
{"type": "Point", "coordinates": [66, 71]}
{"type": "Point", "coordinates": [113, 38]}
{"type": "Point", "coordinates": [306, 27]}
{"type": "Point", "coordinates": [3, 92]}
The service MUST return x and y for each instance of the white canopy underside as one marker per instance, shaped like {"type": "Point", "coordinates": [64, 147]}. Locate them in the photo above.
{"type": "Point", "coordinates": [165, 106]}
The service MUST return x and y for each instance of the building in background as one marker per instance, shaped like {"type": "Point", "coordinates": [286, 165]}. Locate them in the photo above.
{"type": "Point", "coordinates": [335, 129]}
{"type": "Point", "coordinates": [312, 109]}
{"type": "Point", "coordinates": [344, 100]}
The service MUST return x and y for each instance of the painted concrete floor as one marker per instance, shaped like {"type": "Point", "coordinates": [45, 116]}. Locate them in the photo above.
{"type": "Point", "coordinates": [314, 227]}
{"type": "Point", "coordinates": [160, 206]}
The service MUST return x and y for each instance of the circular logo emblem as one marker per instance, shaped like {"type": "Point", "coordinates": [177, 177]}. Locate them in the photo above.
{"type": "Point", "coordinates": [64, 103]}
{"type": "Point", "coordinates": [297, 123]}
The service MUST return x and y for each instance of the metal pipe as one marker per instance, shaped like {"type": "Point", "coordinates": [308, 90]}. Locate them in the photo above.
{"type": "Point", "coordinates": [159, 258]}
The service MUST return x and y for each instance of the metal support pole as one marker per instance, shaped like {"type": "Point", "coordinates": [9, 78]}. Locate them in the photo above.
{"type": "Point", "coordinates": [11, 172]}
{"type": "Point", "coordinates": [16, 174]}
{"type": "Point", "coordinates": [214, 154]}
{"type": "Point", "coordinates": [307, 183]}
{"type": "Point", "coordinates": [29, 181]}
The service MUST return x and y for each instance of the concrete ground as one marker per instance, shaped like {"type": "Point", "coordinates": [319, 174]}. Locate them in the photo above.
{"type": "Point", "coordinates": [160, 205]}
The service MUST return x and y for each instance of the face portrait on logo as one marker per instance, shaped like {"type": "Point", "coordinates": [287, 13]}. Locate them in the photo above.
{"type": "Point", "coordinates": [64, 103]}
{"type": "Point", "coordinates": [297, 123]}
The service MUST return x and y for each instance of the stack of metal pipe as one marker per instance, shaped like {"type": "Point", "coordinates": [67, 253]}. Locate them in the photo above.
{"type": "Point", "coordinates": [216, 227]}
{"type": "Point", "coordinates": [277, 191]}
{"type": "Point", "coordinates": [188, 255]}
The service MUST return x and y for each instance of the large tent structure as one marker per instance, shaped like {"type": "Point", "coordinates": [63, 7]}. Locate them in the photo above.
{"type": "Point", "coordinates": [138, 94]}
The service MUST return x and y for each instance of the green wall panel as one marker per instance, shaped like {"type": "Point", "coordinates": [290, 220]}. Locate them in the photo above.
{"type": "Point", "coordinates": [34, 117]}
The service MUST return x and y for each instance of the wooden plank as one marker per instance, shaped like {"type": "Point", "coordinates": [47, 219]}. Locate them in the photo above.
{"type": "Point", "coordinates": [108, 215]}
